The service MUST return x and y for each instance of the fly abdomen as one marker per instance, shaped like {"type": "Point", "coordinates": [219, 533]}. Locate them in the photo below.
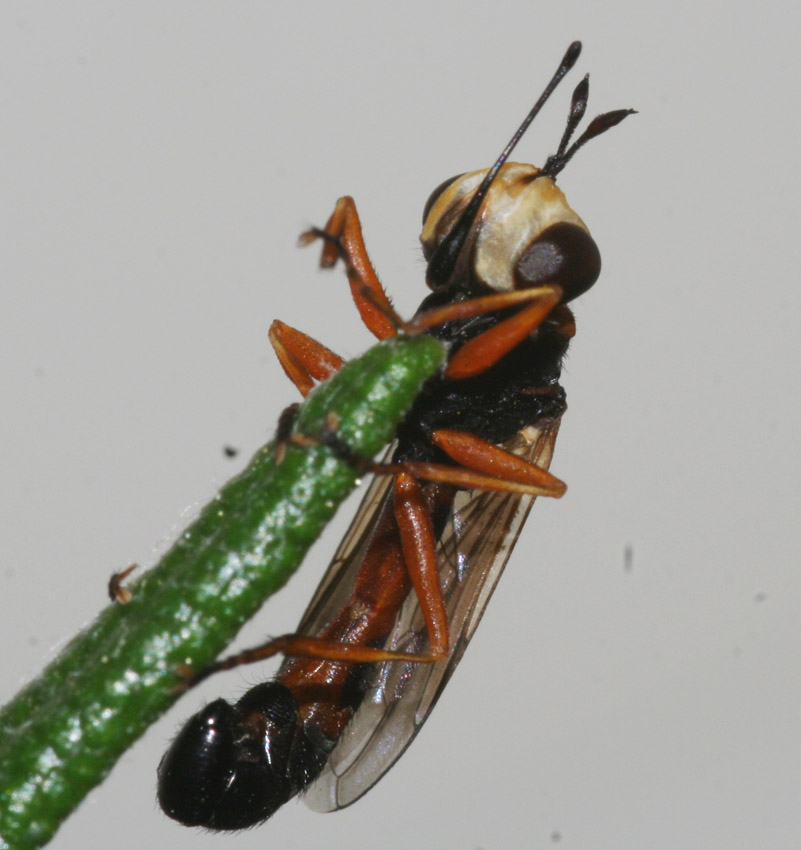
{"type": "Point", "coordinates": [233, 766]}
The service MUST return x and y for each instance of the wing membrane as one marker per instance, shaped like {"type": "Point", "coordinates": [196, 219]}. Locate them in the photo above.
{"type": "Point", "coordinates": [336, 586]}
{"type": "Point", "coordinates": [471, 554]}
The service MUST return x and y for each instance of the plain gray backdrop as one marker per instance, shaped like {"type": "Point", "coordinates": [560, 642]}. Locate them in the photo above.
{"type": "Point", "coordinates": [635, 681]}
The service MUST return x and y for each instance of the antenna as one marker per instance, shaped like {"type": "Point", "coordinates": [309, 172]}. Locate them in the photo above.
{"type": "Point", "coordinates": [578, 106]}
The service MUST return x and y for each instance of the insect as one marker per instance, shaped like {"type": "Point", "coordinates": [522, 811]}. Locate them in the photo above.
{"type": "Point", "coordinates": [409, 583]}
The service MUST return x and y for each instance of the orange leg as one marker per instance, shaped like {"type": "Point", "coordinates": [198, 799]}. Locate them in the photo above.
{"type": "Point", "coordinates": [302, 646]}
{"type": "Point", "coordinates": [487, 458]}
{"type": "Point", "coordinates": [480, 306]}
{"type": "Point", "coordinates": [563, 317]}
{"type": "Point", "coordinates": [485, 466]}
{"type": "Point", "coordinates": [420, 554]}
{"type": "Point", "coordinates": [489, 347]}
{"type": "Point", "coordinates": [303, 358]}
{"type": "Point", "coordinates": [343, 239]}
{"type": "Point", "coordinates": [468, 479]}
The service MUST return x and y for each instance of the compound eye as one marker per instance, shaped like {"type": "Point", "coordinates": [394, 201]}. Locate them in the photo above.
{"type": "Point", "coordinates": [432, 198]}
{"type": "Point", "coordinates": [564, 254]}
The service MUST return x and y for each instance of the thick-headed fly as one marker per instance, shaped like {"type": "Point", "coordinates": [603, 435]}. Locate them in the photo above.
{"type": "Point", "coordinates": [409, 583]}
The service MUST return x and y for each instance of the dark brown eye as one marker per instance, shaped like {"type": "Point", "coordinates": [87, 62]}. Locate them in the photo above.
{"type": "Point", "coordinates": [563, 254]}
{"type": "Point", "coordinates": [432, 198]}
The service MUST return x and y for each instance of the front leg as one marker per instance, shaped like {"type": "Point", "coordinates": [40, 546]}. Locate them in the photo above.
{"type": "Point", "coordinates": [343, 240]}
{"type": "Point", "coordinates": [303, 358]}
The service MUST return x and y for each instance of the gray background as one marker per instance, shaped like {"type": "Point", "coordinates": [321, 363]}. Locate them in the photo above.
{"type": "Point", "coordinates": [157, 162]}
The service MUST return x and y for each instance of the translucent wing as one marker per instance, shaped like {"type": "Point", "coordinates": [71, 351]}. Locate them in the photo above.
{"type": "Point", "coordinates": [335, 589]}
{"type": "Point", "coordinates": [471, 553]}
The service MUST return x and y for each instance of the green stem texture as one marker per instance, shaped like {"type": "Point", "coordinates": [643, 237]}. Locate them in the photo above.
{"type": "Point", "coordinates": [65, 730]}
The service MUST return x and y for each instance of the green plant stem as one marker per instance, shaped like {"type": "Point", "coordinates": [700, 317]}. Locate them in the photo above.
{"type": "Point", "coordinates": [63, 732]}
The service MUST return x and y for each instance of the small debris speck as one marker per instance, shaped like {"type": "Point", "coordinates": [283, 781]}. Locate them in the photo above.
{"type": "Point", "coordinates": [628, 558]}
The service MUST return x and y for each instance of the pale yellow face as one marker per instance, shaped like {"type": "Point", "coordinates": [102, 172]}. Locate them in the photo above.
{"type": "Point", "coordinates": [515, 212]}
